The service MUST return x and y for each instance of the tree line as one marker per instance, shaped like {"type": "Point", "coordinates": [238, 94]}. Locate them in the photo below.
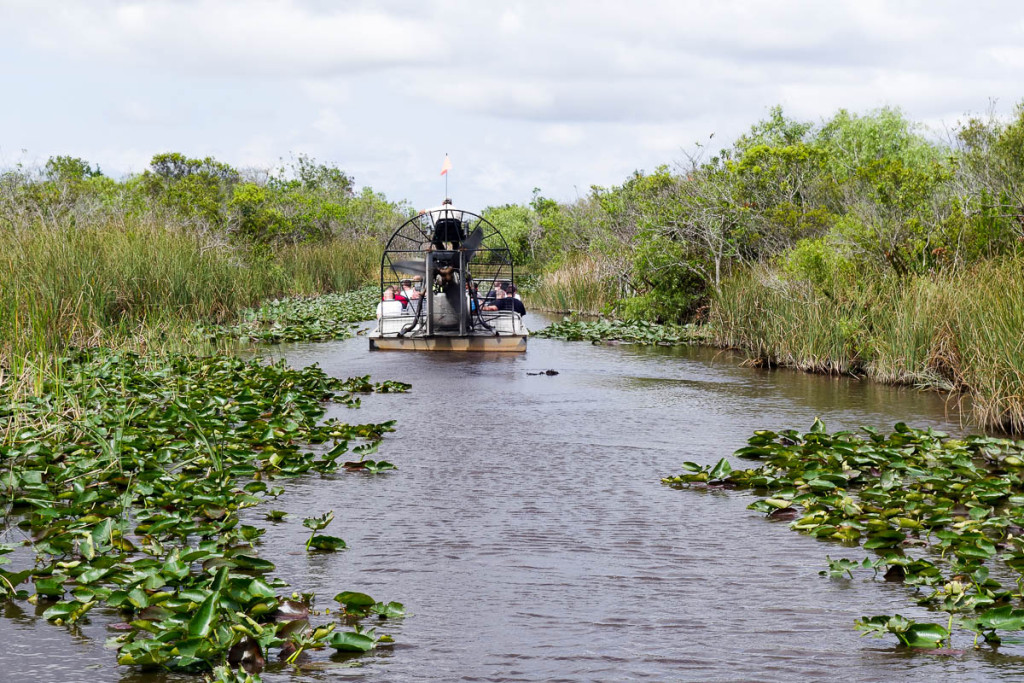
{"type": "Point", "coordinates": [301, 201]}
{"type": "Point", "coordinates": [857, 195]}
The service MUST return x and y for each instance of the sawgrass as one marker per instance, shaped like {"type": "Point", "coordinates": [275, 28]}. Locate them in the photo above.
{"type": "Point", "coordinates": [584, 284]}
{"type": "Point", "coordinates": [138, 282]}
{"type": "Point", "coordinates": [962, 331]}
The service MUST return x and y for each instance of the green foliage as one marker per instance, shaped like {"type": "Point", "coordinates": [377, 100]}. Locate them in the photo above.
{"type": "Point", "coordinates": [518, 225]}
{"type": "Point", "coordinates": [909, 633]}
{"type": "Point", "coordinates": [822, 261]}
{"type": "Point", "coordinates": [774, 131]}
{"type": "Point", "coordinates": [328, 316]}
{"type": "Point", "coordinates": [322, 177]}
{"type": "Point", "coordinates": [668, 279]}
{"type": "Point", "coordinates": [66, 169]}
{"type": "Point", "coordinates": [195, 189]}
{"type": "Point", "coordinates": [139, 280]}
{"type": "Point", "coordinates": [850, 142]}
{"type": "Point", "coordinates": [935, 511]}
{"type": "Point", "coordinates": [133, 262]}
{"type": "Point", "coordinates": [872, 185]}
{"type": "Point", "coordinates": [625, 331]}
{"type": "Point", "coordinates": [130, 473]}
{"type": "Point", "coordinates": [257, 218]}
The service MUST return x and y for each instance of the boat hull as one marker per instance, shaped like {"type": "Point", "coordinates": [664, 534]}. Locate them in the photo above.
{"type": "Point", "coordinates": [491, 343]}
{"type": "Point", "coordinates": [505, 333]}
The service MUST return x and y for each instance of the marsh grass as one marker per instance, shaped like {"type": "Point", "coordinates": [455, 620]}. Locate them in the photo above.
{"type": "Point", "coordinates": [140, 283]}
{"type": "Point", "coordinates": [962, 331]}
{"type": "Point", "coordinates": [583, 284]}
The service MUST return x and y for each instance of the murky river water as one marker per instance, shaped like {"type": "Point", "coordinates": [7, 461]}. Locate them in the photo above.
{"type": "Point", "coordinates": [528, 534]}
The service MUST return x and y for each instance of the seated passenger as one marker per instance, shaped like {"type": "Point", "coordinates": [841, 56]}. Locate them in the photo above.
{"type": "Point", "coordinates": [513, 292]}
{"type": "Point", "coordinates": [400, 297]}
{"type": "Point", "coordinates": [492, 294]}
{"type": "Point", "coordinates": [409, 291]}
{"type": "Point", "coordinates": [389, 305]}
{"type": "Point", "coordinates": [505, 303]}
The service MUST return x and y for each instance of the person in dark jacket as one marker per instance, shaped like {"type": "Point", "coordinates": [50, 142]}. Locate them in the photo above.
{"type": "Point", "coordinates": [505, 303]}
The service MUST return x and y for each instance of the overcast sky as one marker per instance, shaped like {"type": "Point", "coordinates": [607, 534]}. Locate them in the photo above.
{"type": "Point", "coordinates": [521, 94]}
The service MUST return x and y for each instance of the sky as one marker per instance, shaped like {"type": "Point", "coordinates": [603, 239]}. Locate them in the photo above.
{"type": "Point", "coordinates": [548, 94]}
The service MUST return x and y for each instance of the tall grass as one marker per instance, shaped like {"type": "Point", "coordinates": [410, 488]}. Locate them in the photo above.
{"type": "Point", "coordinates": [962, 331]}
{"type": "Point", "coordinates": [139, 280]}
{"type": "Point", "coordinates": [586, 284]}
{"type": "Point", "coordinates": [989, 344]}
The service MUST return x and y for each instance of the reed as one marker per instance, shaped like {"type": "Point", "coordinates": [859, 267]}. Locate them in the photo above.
{"type": "Point", "coordinates": [962, 331]}
{"type": "Point", "coordinates": [988, 332]}
{"type": "Point", "coordinates": [584, 283]}
{"type": "Point", "coordinates": [785, 323]}
{"type": "Point", "coordinates": [140, 282]}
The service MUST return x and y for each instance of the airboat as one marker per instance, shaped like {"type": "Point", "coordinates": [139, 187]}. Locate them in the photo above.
{"type": "Point", "coordinates": [443, 277]}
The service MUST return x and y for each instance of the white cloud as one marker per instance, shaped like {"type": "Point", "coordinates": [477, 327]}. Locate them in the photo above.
{"type": "Point", "coordinates": [136, 112]}
{"type": "Point", "coordinates": [562, 135]}
{"type": "Point", "coordinates": [1011, 56]}
{"type": "Point", "coordinates": [522, 94]}
{"type": "Point", "coordinates": [241, 38]}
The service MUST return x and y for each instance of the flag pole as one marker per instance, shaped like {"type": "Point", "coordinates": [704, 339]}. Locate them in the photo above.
{"type": "Point", "coordinates": [445, 167]}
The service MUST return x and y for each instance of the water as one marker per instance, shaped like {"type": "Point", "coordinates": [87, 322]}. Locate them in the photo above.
{"type": "Point", "coordinates": [529, 535]}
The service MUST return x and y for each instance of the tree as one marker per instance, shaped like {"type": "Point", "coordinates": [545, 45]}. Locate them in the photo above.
{"type": "Point", "coordinates": [198, 190]}
{"type": "Point", "coordinates": [988, 181]}
{"type": "Point", "coordinates": [67, 169]}
{"type": "Point", "coordinates": [518, 226]}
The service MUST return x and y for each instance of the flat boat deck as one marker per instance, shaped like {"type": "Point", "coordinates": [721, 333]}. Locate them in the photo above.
{"type": "Point", "coordinates": [507, 334]}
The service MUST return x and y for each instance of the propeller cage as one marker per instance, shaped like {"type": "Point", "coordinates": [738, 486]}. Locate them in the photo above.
{"type": "Point", "coordinates": [442, 251]}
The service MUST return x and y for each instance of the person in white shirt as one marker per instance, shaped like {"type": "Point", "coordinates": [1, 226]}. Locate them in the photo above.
{"type": "Point", "coordinates": [388, 305]}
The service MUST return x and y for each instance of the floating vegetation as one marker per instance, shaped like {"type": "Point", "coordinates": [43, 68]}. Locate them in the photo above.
{"type": "Point", "coordinates": [942, 516]}
{"type": "Point", "coordinates": [625, 331]}
{"type": "Point", "coordinates": [124, 477]}
{"type": "Point", "coordinates": [320, 318]}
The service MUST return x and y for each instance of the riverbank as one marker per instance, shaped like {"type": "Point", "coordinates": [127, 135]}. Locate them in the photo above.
{"type": "Point", "coordinates": [133, 438]}
{"type": "Point", "coordinates": [958, 332]}
{"type": "Point", "coordinates": [144, 284]}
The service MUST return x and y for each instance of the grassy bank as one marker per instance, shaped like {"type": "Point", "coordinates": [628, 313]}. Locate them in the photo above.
{"type": "Point", "coordinates": [142, 282]}
{"type": "Point", "coordinates": [960, 331]}
{"type": "Point", "coordinates": [129, 447]}
{"type": "Point", "coordinates": [588, 285]}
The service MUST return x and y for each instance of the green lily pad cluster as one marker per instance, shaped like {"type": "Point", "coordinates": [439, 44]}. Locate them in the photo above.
{"type": "Point", "coordinates": [125, 476]}
{"type": "Point", "coordinates": [943, 516]}
{"type": "Point", "coordinates": [321, 318]}
{"type": "Point", "coordinates": [625, 331]}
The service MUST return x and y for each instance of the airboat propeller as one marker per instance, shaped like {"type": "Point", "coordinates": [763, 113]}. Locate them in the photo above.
{"type": "Point", "coordinates": [450, 251]}
{"type": "Point", "coordinates": [419, 267]}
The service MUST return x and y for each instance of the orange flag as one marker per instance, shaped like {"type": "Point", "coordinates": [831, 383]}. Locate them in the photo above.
{"type": "Point", "coordinates": [447, 166]}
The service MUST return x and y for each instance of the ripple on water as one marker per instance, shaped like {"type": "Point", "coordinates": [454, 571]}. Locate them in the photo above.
{"type": "Point", "coordinates": [528, 534]}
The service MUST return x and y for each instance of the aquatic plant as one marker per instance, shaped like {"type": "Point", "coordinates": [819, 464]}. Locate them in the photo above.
{"type": "Point", "coordinates": [107, 274]}
{"type": "Point", "coordinates": [625, 331]}
{"type": "Point", "coordinates": [128, 475]}
{"type": "Point", "coordinates": [318, 541]}
{"type": "Point", "coordinates": [226, 674]}
{"type": "Point", "coordinates": [937, 512]}
{"type": "Point", "coordinates": [319, 318]}
{"type": "Point", "coordinates": [589, 284]}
